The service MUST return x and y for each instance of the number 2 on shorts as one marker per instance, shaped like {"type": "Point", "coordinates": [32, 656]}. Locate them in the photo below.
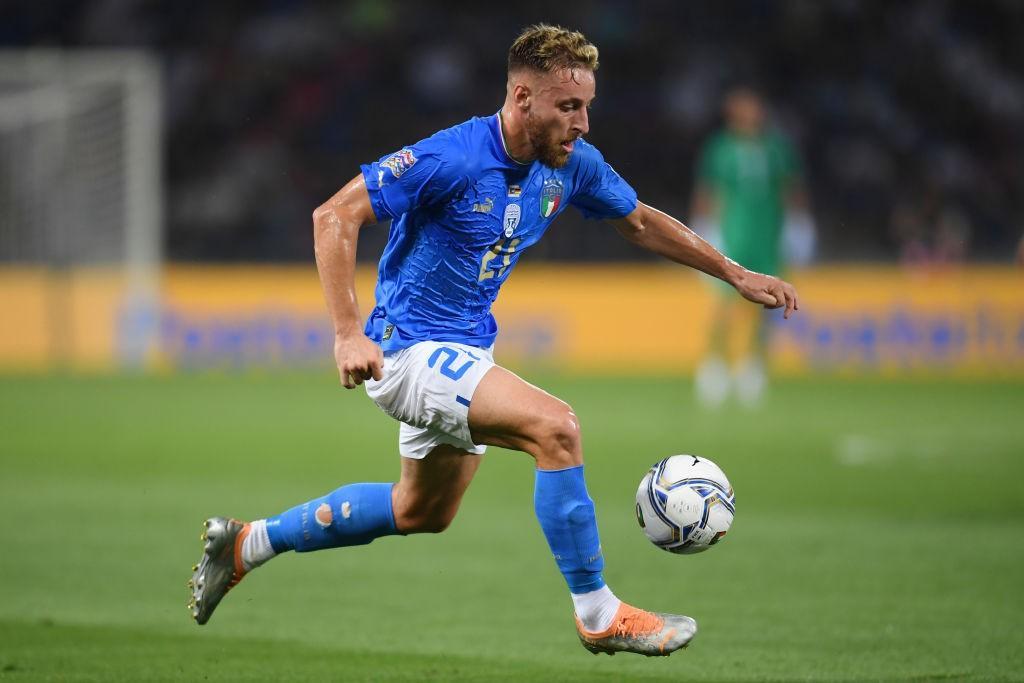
{"type": "Point", "coordinates": [446, 366]}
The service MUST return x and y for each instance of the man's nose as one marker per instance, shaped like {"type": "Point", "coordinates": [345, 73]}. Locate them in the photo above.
{"type": "Point", "coordinates": [582, 123]}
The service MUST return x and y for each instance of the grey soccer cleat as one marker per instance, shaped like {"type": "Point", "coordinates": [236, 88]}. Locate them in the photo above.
{"type": "Point", "coordinates": [636, 630]}
{"type": "Point", "coordinates": [220, 569]}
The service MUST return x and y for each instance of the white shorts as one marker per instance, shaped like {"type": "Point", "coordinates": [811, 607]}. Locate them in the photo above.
{"type": "Point", "coordinates": [428, 388]}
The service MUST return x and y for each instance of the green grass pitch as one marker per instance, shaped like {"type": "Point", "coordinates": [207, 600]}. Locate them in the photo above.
{"type": "Point", "coordinates": [879, 536]}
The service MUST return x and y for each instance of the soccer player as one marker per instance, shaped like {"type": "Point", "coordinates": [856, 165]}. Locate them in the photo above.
{"type": "Point", "coordinates": [747, 178]}
{"type": "Point", "coordinates": [464, 204]}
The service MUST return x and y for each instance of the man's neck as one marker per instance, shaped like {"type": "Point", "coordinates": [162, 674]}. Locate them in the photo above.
{"type": "Point", "coordinates": [513, 134]}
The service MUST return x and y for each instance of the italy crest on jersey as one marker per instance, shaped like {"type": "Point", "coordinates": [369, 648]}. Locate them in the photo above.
{"type": "Point", "coordinates": [550, 197]}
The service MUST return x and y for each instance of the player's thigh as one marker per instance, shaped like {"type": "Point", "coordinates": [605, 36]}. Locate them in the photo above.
{"type": "Point", "coordinates": [509, 412]}
{"type": "Point", "coordinates": [431, 488]}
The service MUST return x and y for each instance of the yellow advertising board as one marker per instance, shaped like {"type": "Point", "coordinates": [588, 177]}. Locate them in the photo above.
{"type": "Point", "coordinates": [577, 318]}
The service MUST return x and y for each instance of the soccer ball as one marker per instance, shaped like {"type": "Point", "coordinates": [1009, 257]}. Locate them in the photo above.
{"type": "Point", "coordinates": [685, 504]}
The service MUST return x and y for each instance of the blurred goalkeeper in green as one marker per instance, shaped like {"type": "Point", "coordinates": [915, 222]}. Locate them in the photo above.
{"type": "Point", "coordinates": [748, 189]}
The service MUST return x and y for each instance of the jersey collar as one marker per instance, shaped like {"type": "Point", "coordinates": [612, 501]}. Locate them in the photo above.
{"type": "Point", "coordinates": [496, 127]}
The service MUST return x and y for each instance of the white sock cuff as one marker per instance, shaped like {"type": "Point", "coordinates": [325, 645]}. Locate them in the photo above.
{"type": "Point", "coordinates": [596, 609]}
{"type": "Point", "coordinates": [256, 548]}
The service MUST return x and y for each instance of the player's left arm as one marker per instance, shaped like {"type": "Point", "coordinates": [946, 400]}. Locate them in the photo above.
{"type": "Point", "coordinates": [658, 232]}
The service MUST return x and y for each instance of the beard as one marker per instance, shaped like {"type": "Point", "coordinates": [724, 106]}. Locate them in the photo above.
{"type": "Point", "coordinates": [547, 152]}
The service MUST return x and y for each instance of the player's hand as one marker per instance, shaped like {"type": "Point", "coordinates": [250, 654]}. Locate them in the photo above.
{"type": "Point", "coordinates": [769, 291]}
{"type": "Point", "coordinates": [358, 359]}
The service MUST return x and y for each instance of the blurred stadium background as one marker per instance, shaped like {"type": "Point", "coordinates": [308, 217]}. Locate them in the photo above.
{"type": "Point", "coordinates": [159, 163]}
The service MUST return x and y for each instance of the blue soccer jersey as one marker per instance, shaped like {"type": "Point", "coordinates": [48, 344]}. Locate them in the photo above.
{"type": "Point", "coordinates": [463, 212]}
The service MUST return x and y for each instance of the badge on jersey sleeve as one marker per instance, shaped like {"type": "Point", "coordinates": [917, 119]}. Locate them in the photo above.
{"type": "Point", "coordinates": [399, 162]}
{"type": "Point", "coordinates": [550, 197]}
{"type": "Point", "coordinates": [511, 220]}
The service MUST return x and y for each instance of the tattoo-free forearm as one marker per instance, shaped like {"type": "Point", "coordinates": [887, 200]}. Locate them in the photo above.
{"type": "Point", "coordinates": [658, 232]}
{"type": "Point", "coordinates": [335, 235]}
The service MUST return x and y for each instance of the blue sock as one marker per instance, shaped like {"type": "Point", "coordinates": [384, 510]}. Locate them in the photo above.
{"type": "Point", "coordinates": [566, 514]}
{"type": "Point", "coordinates": [355, 514]}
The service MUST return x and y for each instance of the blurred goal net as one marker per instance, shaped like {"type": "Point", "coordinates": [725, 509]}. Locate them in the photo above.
{"type": "Point", "coordinates": [80, 170]}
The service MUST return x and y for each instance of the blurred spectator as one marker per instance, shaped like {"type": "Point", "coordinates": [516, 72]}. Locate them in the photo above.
{"type": "Point", "coordinates": [931, 231]}
{"type": "Point", "coordinates": [899, 107]}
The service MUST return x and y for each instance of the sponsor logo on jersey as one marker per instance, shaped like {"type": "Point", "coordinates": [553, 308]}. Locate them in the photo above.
{"type": "Point", "coordinates": [399, 162]}
{"type": "Point", "coordinates": [485, 206]}
{"type": "Point", "coordinates": [511, 220]}
{"type": "Point", "coordinates": [550, 197]}
{"type": "Point", "coordinates": [515, 191]}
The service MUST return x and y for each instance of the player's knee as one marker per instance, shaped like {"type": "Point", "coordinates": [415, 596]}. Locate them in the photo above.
{"type": "Point", "coordinates": [558, 439]}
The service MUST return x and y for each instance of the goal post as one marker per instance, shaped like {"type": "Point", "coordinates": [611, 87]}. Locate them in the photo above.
{"type": "Point", "coordinates": [81, 185]}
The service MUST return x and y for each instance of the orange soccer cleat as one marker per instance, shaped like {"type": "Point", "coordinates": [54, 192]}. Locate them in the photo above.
{"type": "Point", "coordinates": [636, 630]}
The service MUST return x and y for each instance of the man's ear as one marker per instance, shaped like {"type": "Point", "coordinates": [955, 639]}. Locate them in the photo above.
{"type": "Point", "coordinates": [522, 95]}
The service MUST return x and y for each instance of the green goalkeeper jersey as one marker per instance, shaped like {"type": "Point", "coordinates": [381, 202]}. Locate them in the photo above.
{"type": "Point", "coordinates": [749, 177]}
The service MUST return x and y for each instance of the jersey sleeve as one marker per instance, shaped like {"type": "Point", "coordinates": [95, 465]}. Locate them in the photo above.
{"type": "Point", "coordinates": [600, 191]}
{"type": "Point", "coordinates": [421, 175]}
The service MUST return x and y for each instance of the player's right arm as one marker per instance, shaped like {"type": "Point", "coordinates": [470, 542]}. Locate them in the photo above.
{"type": "Point", "coordinates": [336, 226]}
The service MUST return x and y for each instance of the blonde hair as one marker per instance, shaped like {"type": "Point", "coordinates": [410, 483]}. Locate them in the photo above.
{"type": "Point", "coordinates": [547, 48]}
